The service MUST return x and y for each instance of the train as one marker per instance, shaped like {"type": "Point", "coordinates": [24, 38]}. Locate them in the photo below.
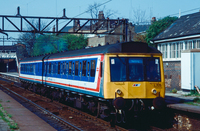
{"type": "Point", "coordinates": [105, 80]}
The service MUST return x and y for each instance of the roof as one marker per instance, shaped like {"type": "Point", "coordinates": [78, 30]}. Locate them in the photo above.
{"type": "Point", "coordinates": [186, 25]}
{"type": "Point", "coordinates": [12, 47]}
{"type": "Point", "coordinates": [141, 28]}
{"type": "Point", "coordinates": [126, 47]}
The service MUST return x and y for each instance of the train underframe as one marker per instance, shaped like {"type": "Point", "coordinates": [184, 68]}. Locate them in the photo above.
{"type": "Point", "coordinates": [120, 112]}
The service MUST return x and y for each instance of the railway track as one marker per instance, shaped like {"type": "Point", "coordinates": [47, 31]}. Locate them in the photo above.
{"type": "Point", "coordinates": [69, 118]}
{"type": "Point", "coordinates": [63, 114]}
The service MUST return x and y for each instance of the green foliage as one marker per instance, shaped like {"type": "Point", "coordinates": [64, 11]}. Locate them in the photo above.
{"type": "Point", "coordinates": [48, 44]}
{"type": "Point", "coordinates": [52, 44]}
{"type": "Point", "coordinates": [140, 38]}
{"type": "Point", "coordinates": [197, 99]}
{"type": "Point", "coordinates": [75, 41]}
{"type": "Point", "coordinates": [174, 91]}
{"type": "Point", "coordinates": [193, 93]}
{"type": "Point", "coordinates": [158, 26]}
{"type": "Point", "coordinates": [11, 123]}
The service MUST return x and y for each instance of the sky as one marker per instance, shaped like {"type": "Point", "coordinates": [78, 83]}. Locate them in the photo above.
{"type": "Point", "coordinates": [124, 8]}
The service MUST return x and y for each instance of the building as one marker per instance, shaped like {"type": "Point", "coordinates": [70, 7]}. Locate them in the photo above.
{"type": "Point", "coordinates": [117, 27]}
{"type": "Point", "coordinates": [8, 59]}
{"type": "Point", "coordinates": [183, 34]}
{"type": "Point", "coordinates": [100, 26]}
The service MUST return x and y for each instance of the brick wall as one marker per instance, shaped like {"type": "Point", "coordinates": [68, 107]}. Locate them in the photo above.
{"type": "Point", "coordinates": [172, 71]}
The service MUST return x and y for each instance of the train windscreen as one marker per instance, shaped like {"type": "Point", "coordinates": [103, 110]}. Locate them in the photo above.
{"type": "Point", "coordinates": [135, 69]}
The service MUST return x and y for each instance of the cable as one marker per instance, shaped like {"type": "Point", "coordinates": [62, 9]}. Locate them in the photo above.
{"type": "Point", "coordinates": [185, 11]}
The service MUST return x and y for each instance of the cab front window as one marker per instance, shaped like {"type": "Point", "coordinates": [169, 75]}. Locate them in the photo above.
{"type": "Point", "coordinates": [134, 69]}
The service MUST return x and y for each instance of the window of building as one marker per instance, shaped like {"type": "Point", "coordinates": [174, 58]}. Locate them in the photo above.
{"type": "Point", "coordinates": [177, 50]}
{"type": "Point", "coordinates": [186, 45]}
{"type": "Point", "coordinates": [173, 50]}
{"type": "Point", "coordinates": [190, 45]}
{"type": "Point", "coordinates": [198, 43]}
{"type": "Point", "coordinates": [180, 48]}
{"type": "Point", "coordinates": [164, 50]}
{"type": "Point", "coordinates": [194, 44]}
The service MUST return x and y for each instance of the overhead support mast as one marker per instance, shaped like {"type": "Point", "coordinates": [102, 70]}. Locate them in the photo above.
{"type": "Point", "coordinates": [79, 25]}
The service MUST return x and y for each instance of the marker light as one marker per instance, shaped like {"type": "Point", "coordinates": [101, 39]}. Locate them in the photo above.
{"type": "Point", "coordinates": [154, 91]}
{"type": "Point", "coordinates": [119, 92]}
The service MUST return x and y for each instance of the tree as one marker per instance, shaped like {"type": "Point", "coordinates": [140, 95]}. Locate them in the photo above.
{"type": "Point", "coordinates": [159, 26]}
{"type": "Point", "coordinates": [139, 16]}
{"type": "Point", "coordinates": [93, 10]}
{"type": "Point", "coordinates": [75, 41]}
{"type": "Point", "coordinates": [48, 44]}
{"type": "Point", "coordinates": [140, 38]}
{"type": "Point", "coordinates": [52, 43]}
{"type": "Point", "coordinates": [29, 39]}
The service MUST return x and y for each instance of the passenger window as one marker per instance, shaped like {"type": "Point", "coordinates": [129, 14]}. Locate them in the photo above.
{"type": "Point", "coordinates": [52, 68]}
{"type": "Point", "coordinates": [84, 69]}
{"type": "Point", "coordinates": [55, 68]}
{"type": "Point", "coordinates": [58, 67]}
{"type": "Point", "coordinates": [70, 68]}
{"type": "Point", "coordinates": [76, 68]}
{"type": "Point", "coordinates": [92, 70]}
{"type": "Point", "coordinates": [31, 68]}
{"type": "Point", "coordinates": [66, 68]}
{"type": "Point", "coordinates": [44, 68]}
{"type": "Point", "coordinates": [49, 68]}
{"type": "Point", "coordinates": [80, 68]}
{"type": "Point", "coordinates": [38, 68]}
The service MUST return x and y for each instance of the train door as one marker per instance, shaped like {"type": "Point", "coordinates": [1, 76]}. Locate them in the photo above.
{"type": "Point", "coordinates": [91, 66]}
{"type": "Point", "coordinates": [70, 71]}
{"type": "Point", "coordinates": [92, 70]}
{"type": "Point", "coordinates": [84, 71]}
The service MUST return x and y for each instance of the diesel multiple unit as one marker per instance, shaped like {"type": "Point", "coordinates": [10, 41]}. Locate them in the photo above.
{"type": "Point", "coordinates": [110, 79]}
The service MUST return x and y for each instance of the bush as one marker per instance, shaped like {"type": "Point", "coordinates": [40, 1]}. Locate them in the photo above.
{"type": "Point", "coordinates": [193, 93]}
{"type": "Point", "coordinates": [174, 90]}
{"type": "Point", "coordinates": [197, 99]}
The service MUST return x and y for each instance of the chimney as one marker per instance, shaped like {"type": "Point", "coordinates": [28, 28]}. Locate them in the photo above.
{"type": "Point", "coordinates": [153, 20]}
{"type": "Point", "coordinates": [101, 15]}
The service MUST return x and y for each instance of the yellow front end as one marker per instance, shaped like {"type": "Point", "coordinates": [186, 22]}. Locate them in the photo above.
{"type": "Point", "coordinates": [132, 89]}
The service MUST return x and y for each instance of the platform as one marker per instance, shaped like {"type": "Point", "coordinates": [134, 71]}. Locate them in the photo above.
{"type": "Point", "coordinates": [13, 74]}
{"type": "Point", "coordinates": [26, 120]}
{"type": "Point", "coordinates": [178, 101]}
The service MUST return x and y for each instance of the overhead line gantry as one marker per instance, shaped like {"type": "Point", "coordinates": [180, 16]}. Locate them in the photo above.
{"type": "Point", "coordinates": [94, 26]}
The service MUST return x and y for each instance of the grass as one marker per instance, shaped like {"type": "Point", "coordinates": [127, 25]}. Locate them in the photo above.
{"type": "Point", "coordinates": [5, 116]}
{"type": "Point", "coordinates": [193, 93]}
{"type": "Point", "coordinates": [196, 102]}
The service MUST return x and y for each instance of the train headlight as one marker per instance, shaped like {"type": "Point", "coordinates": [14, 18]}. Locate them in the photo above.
{"type": "Point", "coordinates": [119, 92]}
{"type": "Point", "coordinates": [154, 91]}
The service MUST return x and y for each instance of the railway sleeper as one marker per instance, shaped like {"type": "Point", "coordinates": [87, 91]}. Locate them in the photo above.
{"type": "Point", "coordinates": [99, 107]}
